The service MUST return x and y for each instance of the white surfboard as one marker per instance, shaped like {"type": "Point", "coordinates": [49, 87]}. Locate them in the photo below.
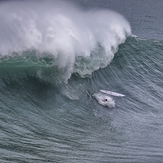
{"type": "Point", "coordinates": [112, 93]}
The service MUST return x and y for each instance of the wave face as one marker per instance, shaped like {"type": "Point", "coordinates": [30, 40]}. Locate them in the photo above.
{"type": "Point", "coordinates": [47, 122]}
{"type": "Point", "coordinates": [64, 37]}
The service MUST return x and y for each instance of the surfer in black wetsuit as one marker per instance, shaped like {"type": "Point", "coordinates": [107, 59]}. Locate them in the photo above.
{"type": "Point", "coordinates": [105, 100]}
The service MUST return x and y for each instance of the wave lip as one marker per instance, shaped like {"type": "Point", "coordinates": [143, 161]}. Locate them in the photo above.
{"type": "Point", "coordinates": [79, 41]}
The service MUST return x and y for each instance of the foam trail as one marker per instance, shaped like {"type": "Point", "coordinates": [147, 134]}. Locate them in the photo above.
{"type": "Point", "coordinates": [79, 41]}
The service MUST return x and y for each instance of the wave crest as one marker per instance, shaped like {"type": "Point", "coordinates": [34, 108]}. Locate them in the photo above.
{"type": "Point", "coordinates": [79, 41]}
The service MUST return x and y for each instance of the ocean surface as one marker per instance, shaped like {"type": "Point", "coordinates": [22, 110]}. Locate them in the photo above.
{"type": "Point", "coordinates": [54, 55]}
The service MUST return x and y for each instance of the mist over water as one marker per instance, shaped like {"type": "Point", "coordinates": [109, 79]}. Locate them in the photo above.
{"type": "Point", "coordinates": [65, 32]}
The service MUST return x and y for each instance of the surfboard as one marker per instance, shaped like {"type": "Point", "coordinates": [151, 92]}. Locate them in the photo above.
{"type": "Point", "coordinates": [112, 93]}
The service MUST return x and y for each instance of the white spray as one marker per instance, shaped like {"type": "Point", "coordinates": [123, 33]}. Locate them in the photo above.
{"type": "Point", "coordinates": [64, 31]}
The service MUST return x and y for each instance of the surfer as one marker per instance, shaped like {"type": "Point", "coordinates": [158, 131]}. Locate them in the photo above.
{"type": "Point", "coordinates": [105, 100]}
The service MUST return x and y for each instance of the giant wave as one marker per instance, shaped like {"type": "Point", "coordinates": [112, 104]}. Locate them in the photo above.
{"type": "Point", "coordinates": [59, 37]}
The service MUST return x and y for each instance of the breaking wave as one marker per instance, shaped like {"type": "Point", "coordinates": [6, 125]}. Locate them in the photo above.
{"type": "Point", "coordinates": [59, 36]}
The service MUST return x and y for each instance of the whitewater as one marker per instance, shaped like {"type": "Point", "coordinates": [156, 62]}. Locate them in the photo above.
{"type": "Point", "coordinates": [75, 40]}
